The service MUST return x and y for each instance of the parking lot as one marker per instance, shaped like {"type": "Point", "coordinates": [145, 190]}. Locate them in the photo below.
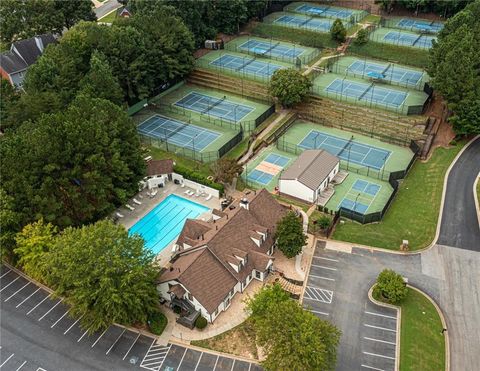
{"type": "Point", "coordinates": [30, 314]}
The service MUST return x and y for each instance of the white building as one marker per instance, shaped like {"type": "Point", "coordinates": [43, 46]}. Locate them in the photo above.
{"type": "Point", "coordinates": [309, 175]}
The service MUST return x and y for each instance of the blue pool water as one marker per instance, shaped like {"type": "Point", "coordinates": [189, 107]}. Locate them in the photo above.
{"type": "Point", "coordinates": [163, 224]}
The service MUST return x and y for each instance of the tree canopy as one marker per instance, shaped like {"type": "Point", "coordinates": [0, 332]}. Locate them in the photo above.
{"type": "Point", "coordinates": [338, 31]}
{"type": "Point", "coordinates": [225, 169]}
{"type": "Point", "coordinates": [390, 284]}
{"type": "Point", "coordinates": [455, 68]}
{"type": "Point", "coordinates": [289, 86]}
{"type": "Point", "coordinates": [106, 275]}
{"type": "Point", "coordinates": [290, 237]}
{"type": "Point", "coordinates": [443, 8]}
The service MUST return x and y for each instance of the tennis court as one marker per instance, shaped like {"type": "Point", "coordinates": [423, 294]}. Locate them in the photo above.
{"type": "Point", "coordinates": [360, 196]}
{"type": "Point", "coordinates": [409, 39]}
{"type": "Point", "coordinates": [419, 25]}
{"type": "Point", "coordinates": [246, 65]}
{"type": "Point", "coordinates": [218, 107]}
{"type": "Point", "coordinates": [276, 159]}
{"type": "Point", "coordinates": [297, 21]}
{"type": "Point", "coordinates": [272, 49]}
{"type": "Point", "coordinates": [347, 150]}
{"type": "Point", "coordinates": [265, 169]}
{"type": "Point", "coordinates": [325, 11]}
{"type": "Point", "coordinates": [387, 71]}
{"type": "Point", "coordinates": [367, 92]}
{"type": "Point", "coordinates": [259, 176]}
{"type": "Point", "coordinates": [177, 132]}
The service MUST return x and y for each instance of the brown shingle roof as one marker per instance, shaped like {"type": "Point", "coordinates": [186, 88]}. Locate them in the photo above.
{"type": "Point", "coordinates": [159, 167]}
{"type": "Point", "coordinates": [311, 168]}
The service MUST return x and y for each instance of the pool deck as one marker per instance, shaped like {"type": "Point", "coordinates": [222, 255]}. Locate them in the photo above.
{"type": "Point", "coordinates": [131, 217]}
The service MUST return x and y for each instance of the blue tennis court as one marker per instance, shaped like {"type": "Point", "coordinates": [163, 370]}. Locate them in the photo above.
{"type": "Point", "coordinates": [218, 107]}
{"type": "Point", "coordinates": [408, 39]}
{"type": "Point", "coordinates": [387, 70]}
{"type": "Point", "coordinates": [354, 152]}
{"type": "Point", "coordinates": [360, 196]}
{"type": "Point", "coordinates": [275, 159]}
{"type": "Point", "coordinates": [357, 205]}
{"type": "Point", "coordinates": [316, 24]}
{"type": "Point", "coordinates": [246, 65]}
{"type": "Point", "coordinates": [259, 177]}
{"type": "Point", "coordinates": [177, 132]}
{"type": "Point", "coordinates": [366, 187]}
{"type": "Point", "coordinates": [273, 49]}
{"type": "Point", "coordinates": [325, 11]}
{"type": "Point", "coordinates": [367, 92]}
{"type": "Point", "coordinates": [420, 25]}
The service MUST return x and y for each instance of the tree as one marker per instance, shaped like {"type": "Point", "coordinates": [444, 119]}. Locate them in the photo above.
{"type": "Point", "coordinates": [290, 237]}
{"type": "Point", "coordinates": [454, 67]}
{"type": "Point", "coordinates": [74, 166]}
{"type": "Point", "coordinates": [292, 338]}
{"type": "Point", "coordinates": [74, 11]}
{"type": "Point", "coordinates": [289, 86]}
{"type": "Point", "coordinates": [338, 31]}
{"type": "Point", "coordinates": [8, 99]}
{"type": "Point", "coordinates": [9, 224]}
{"type": "Point", "coordinates": [106, 275]}
{"type": "Point", "coordinates": [362, 37]}
{"type": "Point", "coordinates": [33, 242]}
{"type": "Point", "coordinates": [391, 286]}
{"type": "Point", "coordinates": [225, 170]}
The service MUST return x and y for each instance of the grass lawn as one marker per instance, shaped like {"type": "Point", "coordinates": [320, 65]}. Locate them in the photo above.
{"type": "Point", "coordinates": [414, 212]}
{"type": "Point", "coordinates": [291, 201]}
{"type": "Point", "coordinates": [239, 340]}
{"type": "Point", "coordinates": [422, 345]}
{"type": "Point", "coordinates": [108, 18]}
{"type": "Point", "coordinates": [158, 154]}
{"type": "Point", "coordinates": [371, 18]}
{"type": "Point", "coordinates": [353, 29]}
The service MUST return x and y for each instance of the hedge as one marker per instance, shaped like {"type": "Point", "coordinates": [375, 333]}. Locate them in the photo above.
{"type": "Point", "coordinates": [201, 323]}
{"type": "Point", "coordinates": [157, 323]}
{"type": "Point", "coordinates": [196, 177]}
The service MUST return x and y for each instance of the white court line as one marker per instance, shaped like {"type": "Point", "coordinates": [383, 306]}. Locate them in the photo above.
{"type": "Point", "coordinates": [9, 284]}
{"type": "Point", "coordinates": [129, 349]}
{"type": "Point", "coordinates": [317, 311]}
{"type": "Point", "coordinates": [103, 333]}
{"type": "Point", "coordinates": [380, 341]}
{"type": "Point", "coordinates": [373, 368]}
{"type": "Point", "coordinates": [28, 297]}
{"type": "Point", "coordinates": [178, 367]}
{"type": "Point", "coordinates": [11, 355]}
{"type": "Point", "coordinates": [73, 324]}
{"type": "Point", "coordinates": [58, 320]}
{"type": "Point", "coordinates": [322, 278]}
{"type": "Point", "coordinates": [380, 328]}
{"type": "Point", "coordinates": [378, 355]}
{"type": "Point", "coordinates": [115, 342]}
{"type": "Point", "coordinates": [323, 267]}
{"type": "Point", "coordinates": [380, 315]}
{"type": "Point", "coordinates": [321, 257]}
{"type": "Point", "coordinates": [31, 310]}
{"type": "Point", "coordinates": [7, 299]}
{"type": "Point", "coordinates": [198, 362]}
{"type": "Point", "coordinates": [214, 367]}
{"type": "Point", "coordinates": [23, 364]}
{"type": "Point", "coordinates": [42, 317]}
{"type": "Point", "coordinates": [7, 272]}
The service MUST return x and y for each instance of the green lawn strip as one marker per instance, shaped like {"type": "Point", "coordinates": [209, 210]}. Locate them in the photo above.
{"type": "Point", "coordinates": [353, 29]}
{"type": "Point", "coordinates": [371, 18]}
{"type": "Point", "coordinates": [422, 344]}
{"type": "Point", "coordinates": [291, 201]}
{"type": "Point", "coordinates": [414, 212]}
{"type": "Point", "coordinates": [158, 154]}
{"type": "Point", "coordinates": [109, 18]}
{"type": "Point", "coordinates": [478, 191]}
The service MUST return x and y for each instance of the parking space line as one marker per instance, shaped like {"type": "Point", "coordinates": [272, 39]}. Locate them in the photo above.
{"type": "Point", "coordinates": [373, 368]}
{"type": "Point", "coordinates": [322, 278]}
{"type": "Point", "coordinates": [8, 359]}
{"type": "Point", "coordinates": [7, 299]}
{"type": "Point", "coordinates": [233, 365]}
{"type": "Point", "coordinates": [318, 294]}
{"type": "Point", "coordinates": [42, 317]}
{"type": "Point", "coordinates": [115, 342]}
{"type": "Point", "coordinates": [323, 267]}
{"type": "Point", "coordinates": [28, 297]}
{"type": "Point", "coordinates": [23, 364]}
{"type": "Point", "coordinates": [329, 259]}
{"type": "Point", "coordinates": [380, 328]}
{"type": "Point", "coordinates": [73, 324]}
{"type": "Point", "coordinates": [249, 366]}
{"type": "Point", "coordinates": [7, 272]}
{"type": "Point", "coordinates": [380, 341]}
{"type": "Point", "coordinates": [81, 337]}
{"type": "Point", "coordinates": [96, 341]}
{"type": "Point", "coordinates": [131, 346]}
{"type": "Point", "coordinates": [378, 355]}
{"type": "Point", "coordinates": [198, 362]}
{"type": "Point", "coordinates": [3, 288]}
{"type": "Point", "coordinates": [317, 311]}
{"type": "Point", "coordinates": [31, 310]}
{"type": "Point", "coordinates": [214, 367]}
{"type": "Point", "coordinates": [381, 315]}
{"type": "Point", "coordinates": [178, 367]}
{"type": "Point", "coordinates": [58, 320]}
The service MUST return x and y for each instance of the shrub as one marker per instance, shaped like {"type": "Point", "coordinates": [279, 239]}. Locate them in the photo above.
{"type": "Point", "coordinates": [362, 37]}
{"type": "Point", "coordinates": [324, 222]}
{"type": "Point", "coordinates": [338, 31]}
{"type": "Point", "coordinates": [196, 177]}
{"type": "Point", "coordinates": [201, 323]}
{"type": "Point", "coordinates": [289, 86]}
{"type": "Point", "coordinates": [391, 286]}
{"type": "Point", "coordinates": [157, 323]}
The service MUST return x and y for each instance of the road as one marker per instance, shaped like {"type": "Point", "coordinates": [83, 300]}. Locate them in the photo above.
{"type": "Point", "coordinates": [106, 8]}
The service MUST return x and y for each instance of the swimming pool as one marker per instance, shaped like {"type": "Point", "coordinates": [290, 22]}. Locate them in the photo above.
{"type": "Point", "coordinates": [163, 224]}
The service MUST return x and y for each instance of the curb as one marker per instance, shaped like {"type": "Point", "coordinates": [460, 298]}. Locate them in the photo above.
{"type": "Point", "coordinates": [477, 206]}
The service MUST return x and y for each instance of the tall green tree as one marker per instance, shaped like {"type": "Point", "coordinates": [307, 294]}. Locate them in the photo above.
{"type": "Point", "coordinates": [10, 222]}
{"type": "Point", "coordinates": [455, 67]}
{"type": "Point", "coordinates": [225, 170]}
{"type": "Point", "coordinates": [72, 167]}
{"type": "Point", "coordinates": [74, 11]}
{"type": "Point", "coordinates": [391, 286]}
{"type": "Point", "coordinates": [106, 275]}
{"type": "Point", "coordinates": [289, 86]}
{"type": "Point", "coordinates": [33, 242]}
{"type": "Point", "coordinates": [8, 99]}
{"type": "Point", "coordinates": [338, 31]}
{"type": "Point", "coordinates": [290, 237]}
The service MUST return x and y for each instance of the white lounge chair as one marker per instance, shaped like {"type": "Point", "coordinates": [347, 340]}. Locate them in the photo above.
{"type": "Point", "coordinates": [208, 197]}
{"type": "Point", "coordinates": [182, 185]}
{"type": "Point", "coordinates": [190, 193]}
{"type": "Point", "coordinates": [153, 193]}
{"type": "Point", "coordinates": [136, 201]}
{"type": "Point", "coordinates": [131, 208]}
{"type": "Point", "coordinates": [119, 215]}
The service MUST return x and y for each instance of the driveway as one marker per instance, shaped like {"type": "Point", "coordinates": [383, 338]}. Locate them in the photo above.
{"type": "Point", "coordinates": [106, 8]}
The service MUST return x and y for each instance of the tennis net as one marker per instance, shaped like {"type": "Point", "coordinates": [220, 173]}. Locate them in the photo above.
{"type": "Point", "coordinates": [386, 68]}
{"type": "Point", "coordinates": [271, 48]}
{"type": "Point", "coordinates": [365, 92]}
{"type": "Point", "coordinates": [345, 147]}
{"type": "Point", "coordinates": [215, 103]}
{"type": "Point", "coordinates": [245, 64]}
{"type": "Point", "coordinates": [418, 38]}
{"type": "Point", "coordinates": [305, 22]}
{"type": "Point", "coordinates": [171, 132]}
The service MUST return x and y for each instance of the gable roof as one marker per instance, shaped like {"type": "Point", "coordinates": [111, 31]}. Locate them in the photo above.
{"type": "Point", "coordinates": [159, 167]}
{"type": "Point", "coordinates": [311, 168]}
{"type": "Point", "coordinates": [11, 63]}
